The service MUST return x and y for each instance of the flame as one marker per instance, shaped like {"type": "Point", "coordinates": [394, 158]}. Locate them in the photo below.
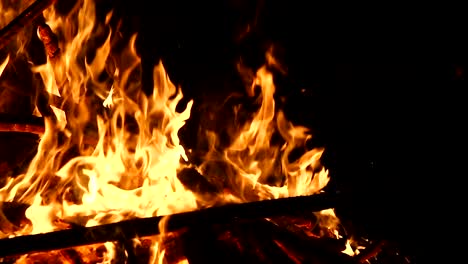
{"type": "Point", "coordinates": [111, 152]}
{"type": "Point", "coordinates": [124, 168]}
{"type": "Point", "coordinates": [4, 64]}
{"type": "Point", "coordinates": [131, 168]}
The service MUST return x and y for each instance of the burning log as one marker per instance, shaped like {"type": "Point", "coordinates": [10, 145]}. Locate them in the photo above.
{"type": "Point", "coordinates": [255, 241]}
{"type": "Point", "coordinates": [141, 227]}
{"type": "Point", "coordinates": [23, 128]}
{"type": "Point", "coordinates": [26, 17]}
{"type": "Point", "coordinates": [12, 123]}
{"type": "Point", "coordinates": [371, 252]}
{"type": "Point", "coordinates": [31, 125]}
{"type": "Point", "coordinates": [239, 242]}
{"type": "Point", "coordinates": [10, 126]}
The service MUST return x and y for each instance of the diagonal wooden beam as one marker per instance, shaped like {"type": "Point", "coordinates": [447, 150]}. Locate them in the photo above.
{"type": "Point", "coordinates": [144, 227]}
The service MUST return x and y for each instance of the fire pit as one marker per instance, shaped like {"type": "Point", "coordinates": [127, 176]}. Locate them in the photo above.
{"type": "Point", "coordinates": [108, 176]}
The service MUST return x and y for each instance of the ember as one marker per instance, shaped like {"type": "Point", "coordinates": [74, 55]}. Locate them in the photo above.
{"type": "Point", "coordinates": [111, 178]}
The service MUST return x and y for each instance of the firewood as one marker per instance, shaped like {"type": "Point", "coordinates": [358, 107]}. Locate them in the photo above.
{"type": "Point", "coordinates": [310, 249]}
{"type": "Point", "coordinates": [23, 128]}
{"type": "Point", "coordinates": [141, 227]}
{"type": "Point", "coordinates": [256, 241]}
{"type": "Point", "coordinates": [32, 125]}
{"type": "Point", "coordinates": [370, 252]}
{"type": "Point", "coordinates": [237, 242]}
{"type": "Point", "coordinates": [24, 124]}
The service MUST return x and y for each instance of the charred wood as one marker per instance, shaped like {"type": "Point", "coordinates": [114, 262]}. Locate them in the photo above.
{"type": "Point", "coordinates": [370, 252]}
{"type": "Point", "coordinates": [48, 38]}
{"type": "Point", "coordinates": [326, 243]}
{"type": "Point", "coordinates": [32, 125]}
{"type": "Point", "coordinates": [310, 249]}
{"type": "Point", "coordinates": [141, 227]}
{"type": "Point", "coordinates": [255, 241]}
{"type": "Point", "coordinates": [238, 242]}
{"type": "Point", "coordinates": [88, 254]}
{"type": "Point", "coordinates": [22, 124]}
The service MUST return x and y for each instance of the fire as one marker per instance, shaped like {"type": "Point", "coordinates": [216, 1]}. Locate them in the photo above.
{"type": "Point", "coordinates": [110, 152]}
{"type": "Point", "coordinates": [131, 169]}
{"type": "Point", "coordinates": [256, 159]}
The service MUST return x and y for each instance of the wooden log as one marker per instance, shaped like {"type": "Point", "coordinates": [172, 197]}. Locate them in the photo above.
{"type": "Point", "coordinates": [25, 18]}
{"type": "Point", "coordinates": [141, 227]}
{"type": "Point", "coordinates": [237, 242]}
{"type": "Point", "coordinates": [309, 249]}
{"type": "Point", "coordinates": [256, 241]}
{"type": "Point", "coordinates": [13, 123]}
{"type": "Point", "coordinates": [31, 125]}
{"type": "Point", "coordinates": [22, 128]}
{"type": "Point", "coordinates": [370, 252]}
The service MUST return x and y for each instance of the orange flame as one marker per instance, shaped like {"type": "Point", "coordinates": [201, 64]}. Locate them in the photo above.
{"type": "Point", "coordinates": [261, 168]}
{"type": "Point", "coordinates": [254, 156]}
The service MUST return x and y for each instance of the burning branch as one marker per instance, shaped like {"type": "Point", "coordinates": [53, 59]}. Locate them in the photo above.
{"type": "Point", "coordinates": [26, 17]}
{"type": "Point", "coordinates": [143, 227]}
{"type": "Point", "coordinates": [49, 39]}
{"type": "Point", "coordinates": [33, 125]}
{"type": "Point", "coordinates": [22, 128]}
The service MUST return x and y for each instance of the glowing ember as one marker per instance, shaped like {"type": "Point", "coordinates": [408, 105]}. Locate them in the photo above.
{"type": "Point", "coordinates": [110, 152]}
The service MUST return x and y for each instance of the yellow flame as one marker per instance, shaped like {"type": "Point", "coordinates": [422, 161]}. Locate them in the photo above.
{"type": "Point", "coordinates": [4, 64]}
{"type": "Point", "coordinates": [126, 172]}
